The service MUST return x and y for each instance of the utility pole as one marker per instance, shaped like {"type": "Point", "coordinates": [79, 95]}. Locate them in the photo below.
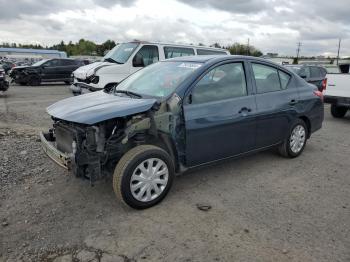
{"type": "Point", "coordinates": [248, 50]}
{"type": "Point", "coordinates": [298, 50]}
{"type": "Point", "coordinates": [338, 51]}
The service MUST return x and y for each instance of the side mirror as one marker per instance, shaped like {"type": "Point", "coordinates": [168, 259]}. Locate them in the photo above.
{"type": "Point", "coordinates": [108, 88]}
{"type": "Point", "coordinates": [138, 61]}
{"type": "Point", "coordinates": [303, 76]}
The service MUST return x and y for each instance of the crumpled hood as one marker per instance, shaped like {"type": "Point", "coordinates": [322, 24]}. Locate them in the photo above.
{"type": "Point", "coordinates": [21, 67]}
{"type": "Point", "coordinates": [85, 71]}
{"type": "Point", "coordinates": [98, 106]}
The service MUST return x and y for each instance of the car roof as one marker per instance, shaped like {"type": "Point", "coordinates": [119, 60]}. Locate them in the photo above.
{"type": "Point", "coordinates": [218, 58]}
{"type": "Point", "coordinates": [179, 45]}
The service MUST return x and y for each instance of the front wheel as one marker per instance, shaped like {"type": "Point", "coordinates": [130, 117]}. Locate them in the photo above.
{"type": "Point", "coordinates": [34, 80]}
{"type": "Point", "coordinates": [338, 111]}
{"type": "Point", "coordinates": [143, 176]}
{"type": "Point", "coordinates": [294, 145]}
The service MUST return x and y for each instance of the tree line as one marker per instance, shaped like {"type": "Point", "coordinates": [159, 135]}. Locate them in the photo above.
{"type": "Point", "coordinates": [87, 47]}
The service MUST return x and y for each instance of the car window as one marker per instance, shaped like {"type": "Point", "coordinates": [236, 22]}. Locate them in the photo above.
{"type": "Point", "coordinates": [170, 51]}
{"type": "Point", "coordinates": [266, 78]}
{"type": "Point", "coordinates": [148, 54]}
{"type": "Point", "coordinates": [223, 82]}
{"type": "Point", "coordinates": [332, 69]}
{"type": "Point", "coordinates": [284, 78]}
{"type": "Point", "coordinates": [209, 52]}
{"type": "Point", "coordinates": [63, 62]}
{"type": "Point", "coordinates": [71, 62]}
{"type": "Point", "coordinates": [315, 72]}
{"type": "Point", "coordinates": [53, 62]}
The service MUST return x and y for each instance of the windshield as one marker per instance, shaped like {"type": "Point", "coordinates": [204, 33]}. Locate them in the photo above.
{"type": "Point", "coordinates": [120, 53]}
{"type": "Point", "coordinates": [159, 79]}
{"type": "Point", "coordinates": [333, 69]}
{"type": "Point", "coordinates": [39, 63]}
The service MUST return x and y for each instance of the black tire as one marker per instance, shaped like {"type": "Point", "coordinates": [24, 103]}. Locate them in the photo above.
{"type": "Point", "coordinates": [338, 111]}
{"type": "Point", "coordinates": [285, 148]}
{"type": "Point", "coordinates": [34, 80]}
{"type": "Point", "coordinates": [126, 167]}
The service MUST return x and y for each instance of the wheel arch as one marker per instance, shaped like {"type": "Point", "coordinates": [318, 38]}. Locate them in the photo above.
{"type": "Point", "coordinates": [165, 142]}
{"type": "Point", "coordinates": [308, 124]}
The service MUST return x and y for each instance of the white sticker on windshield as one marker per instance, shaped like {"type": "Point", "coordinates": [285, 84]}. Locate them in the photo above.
{"type": "Point", "coordinates": [190, 65]}
{"type": "Point", "coordinates": [128, 49]}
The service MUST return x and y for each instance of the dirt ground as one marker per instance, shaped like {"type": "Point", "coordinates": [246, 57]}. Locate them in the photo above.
{"type": "Point", "coordinates": [263, 207]}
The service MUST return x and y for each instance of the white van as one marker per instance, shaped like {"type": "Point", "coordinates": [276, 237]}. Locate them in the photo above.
{"type": "Point", "coordinates": [126, 58]}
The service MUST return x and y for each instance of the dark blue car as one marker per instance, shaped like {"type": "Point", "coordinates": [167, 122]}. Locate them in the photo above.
{"type": "Point", "coordinates": [179, 114]}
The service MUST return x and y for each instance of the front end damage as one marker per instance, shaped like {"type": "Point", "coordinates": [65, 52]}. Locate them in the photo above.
{"type": "Point", "coordinates": [92, 151]}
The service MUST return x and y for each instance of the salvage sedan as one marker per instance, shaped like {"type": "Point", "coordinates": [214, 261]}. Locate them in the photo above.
{"type": "Point", "coordinates": [179, 114]}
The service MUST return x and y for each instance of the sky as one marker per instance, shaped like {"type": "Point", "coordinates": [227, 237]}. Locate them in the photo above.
{"type": "Point", "coordinates": [270, 25]}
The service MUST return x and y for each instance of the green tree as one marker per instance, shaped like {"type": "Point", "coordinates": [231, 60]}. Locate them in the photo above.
{"type": "Point", "coordinates": [243, 49]}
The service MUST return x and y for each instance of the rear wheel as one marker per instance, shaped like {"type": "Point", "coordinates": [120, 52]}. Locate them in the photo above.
{"type": "Point", "coordinates": [294, 145]}
{"type": "Point", "coordinates": [143, 176]}
{"type": "Point", "coordinates": [338, 111]}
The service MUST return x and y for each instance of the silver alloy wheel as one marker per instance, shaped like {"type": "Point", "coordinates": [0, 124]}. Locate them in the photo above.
{"type": "Point", "coordinates": [149, 179]}
{"type": "Point", "coordinates": [297, 139]}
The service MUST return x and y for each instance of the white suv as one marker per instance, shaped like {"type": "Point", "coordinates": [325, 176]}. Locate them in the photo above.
{"type": "Point", "coordinates": [126, 58]}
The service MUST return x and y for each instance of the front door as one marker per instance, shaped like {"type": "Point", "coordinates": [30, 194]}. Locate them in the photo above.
{"type": "Point", "coordinates": [50, 70]}
{"type": "Point", "coordinates": [219, 115]}
{"type": "Point", "coordinates": [147, 55]}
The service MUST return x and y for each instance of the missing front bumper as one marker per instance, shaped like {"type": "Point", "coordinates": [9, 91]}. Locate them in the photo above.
{"type": "Point", "coordinates": [57, 156]}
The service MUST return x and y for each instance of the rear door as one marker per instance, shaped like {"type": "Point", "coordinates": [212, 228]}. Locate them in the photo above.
{"type": "Point", "coordinates": [219, 115]}
{"type": "Point", "coordinates": [67, 67]}
{"type": "Point", "coordinates": [276, 99]}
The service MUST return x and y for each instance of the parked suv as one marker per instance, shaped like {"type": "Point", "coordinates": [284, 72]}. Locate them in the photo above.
{"type": "Point", "coordinates": [179, 114]}
{"type": "Point", "coordinates": [47, 70]}
{"type": "Point", "coordinates": [312, 74]}
{"type": "Point", "coordinates": [127, 58]}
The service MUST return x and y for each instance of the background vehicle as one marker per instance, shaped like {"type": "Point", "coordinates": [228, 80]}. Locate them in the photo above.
{"type": "Point", "coordinates": [337, 92]}
{"type": "Point", "coordinates": [7, 66]}
{"type": "Point", "coordinates": [4, 85]}
{"type": "Point", "coordinates": [127, 58]}
{"type": "Point", "coordinates": [47, 70]}
{"type": "Point", "coordinates": [312, 74]}
{"type": "Point", "coordinates": [178, 114]}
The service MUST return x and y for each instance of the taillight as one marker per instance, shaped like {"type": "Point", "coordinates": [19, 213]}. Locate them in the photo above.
{"type": "Point", "coordinates": [319, 94]}
{"type": "Point", "coordinates": [324, 84]}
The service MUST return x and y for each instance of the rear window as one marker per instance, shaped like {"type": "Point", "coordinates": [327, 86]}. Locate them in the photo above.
{"type": "Point", "coordinates": [171, 52]}
{"type": "Point", "coordinates": [315, 72]}
{"type": "Point", "coordinates": [209, 52]}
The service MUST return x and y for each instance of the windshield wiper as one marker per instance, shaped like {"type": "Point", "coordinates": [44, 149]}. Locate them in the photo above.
{"type": "Point", "coordinates": [129, 93]}
{"type": "Point", "coordinates": [109, 59]}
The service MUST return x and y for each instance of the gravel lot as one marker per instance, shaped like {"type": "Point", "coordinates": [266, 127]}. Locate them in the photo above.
{"type": "Point", "coordinates": [263, 207]}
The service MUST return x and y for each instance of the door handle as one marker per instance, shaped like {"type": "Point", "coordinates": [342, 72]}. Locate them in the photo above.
{"type": "Point", "coordinates": [244, 109]}
{"type": "Point", "coordinates": [293, 102]}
